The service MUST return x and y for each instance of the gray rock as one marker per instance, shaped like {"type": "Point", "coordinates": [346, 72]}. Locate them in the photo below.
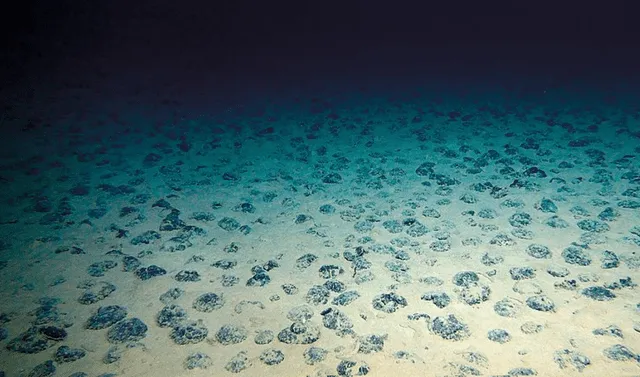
{"type": "Point", "coordinates": [314, 355]}
{"type": "Point", "coordinates": [393, 226]}
{"type": "Point", "coordinates": [516, 372]}
{"type": "Point", "coordinates": [489, 260]}
{"type": "Point", "coordinates": [334, 319]}
{"type": "Point", "coordinates": [449, 328]}
{"type": "Point", "coordinates": [105, 317]}
{"type": "Point", "coordinates": [590, 225]}
{"type": "Point", "coordinates": [146, 273]}
{"type": "Point", "coordinates": [128, 330]}
{"type": "Point", "coordinates": [45, 369]}
{"type": "Point", "coordinates": [371, 343]}
{"type": "Point", "coordinates": [225, 264]}
{"type": "Point", "coordinates": [474, 294]}
{"type": "Point", "coordinates": [346, 368]}
{"type": "Point", "coordinates": [566, 357]}
{"type": "Point", "coordinates": [238, 363]}
{"type": "Point", "coordinates": [289, 289]}
{"type": "Point", "coordinates": [439, 299]}
{"type": "Point", "coordinates": [231, 334]}
{"type": "Point", "coordinates": [208, 302]}
{"type": "Point", "coordinates": [609, 214]}
{"type": "Point", "coordinates": [66, 354]}
{"type": "Point", "coordinates": [619, 352]}
{"type": "Point", "coordinates": [327, 209]}
{"type": "Point", "coordinates": [171, 315]}
{"type": "Point", "coordinates": [301, 313]}
{"type": "Point", "coordinates": [264, 337]}
{"type": "Point", "coordinates": [187, 276]}
{"type": "Point", "coordinates": [541, 303]}
{"type": "Point", "coordinates": [98, 269]}
{"type": "Point", "coordinates": [97, 292]}
{"type": "Point", "coordinates": [609, 260]}
{"type": "Point", "coordinates": [260, 279]}
{"type": "Point", "coordinates": [332, 178]}
{"type": "Point", "coordinates": [229, 224]}
{"type": "Point", "coordinates": [507, 308]}
{"type": "Point", "coordinates": [299, 333]}
{"type": "Point", "coordinates": [171, 295]}
{"type": "Point", "coordinates": [547, 206]}
{"type": "Point", "coordinates": [522, 273]}
{"type": "Point", "coordinates": [576, 255]}
{"type": "Point", "coordinates": [130, 263]}
{"type": "Point", "coordinates": [612, 330]}
{"type": "Point", "coordinates": [198, 360]}
{"type": "Point", "coordinates": [113, 354]}
{"type": "Point", "coordinates": [389, 302]}
{"type": "Point", "coordinates": [345, 298]}
{"type": "Point", "coordinates": [520, 219]}
{"type": "Point", "coordinates": [499, 336]}
{"type": "Point", "coordinates": [539, 251]}
{"type": "Point", "coordinates": [189, 332]}
{"type": "Point", "coordinates": [229, 280]}
{"type": "Point", "coordinates": [465, 278]}
{"type": "Point", "coordinates": [305, 261]}
{"type": "Point", "coordinates": [598, 293]}
{"type": "Point", "coordinates": [557, 222]}
{"type": "Point", "coordinates": [272, 357]}
{"type": "Point", "coordinates": [317, 295]}
{"type": "Point", "coordinates": [502, 239]}
{"type": "Point", "coordinates": [329, 271]}
{"type": "Point", "coordinates": [30, 341]}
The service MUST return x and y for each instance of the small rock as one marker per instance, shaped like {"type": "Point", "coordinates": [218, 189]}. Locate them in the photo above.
{"type": "Point", "coordinates": [208, 302]}
{"type": "Point", "coordinates": [598, 293]}
{"type": "Point", "coordinates": [264, 337]}
{"type": "Point", "coordinates": [171, 315]}
{"type": "Point", "coordinates": [171, 295]}
{"type": "Point", "coordinates": [389, 302]}
{"type": "Point", "coordinates": [128, 330]}
{"type": "Point", "coordinates": [272, 357]}
{"type": "Point", "coordinates": [465, 278]}
{"type": "Point", "coordinates": [45, 369]}
{"type": "Point", "coordinates": [187, 276]}
{"type": "Point", "coordinates": [499, 336]}
{"type": "Point", "coordinates": [189, 332]}
{"type": "Point", "coordinates": [105, 317]}
{"type": "Point", "coordinates": [612, 330]}
{"type": "Point", "coordinates": [65, 354]}
{"type": "Point", "coordinates": [439, 299]}
{"type": "Point", "coordinates": [539, 251]}
{"type": "Point", "coordinates": [314, 355]}
{"type": "Point", "coordinates": [371, 343]}
{"type": "Point", "coordinates": [567, 357]}
{"type": "Point", "coordinates": [449, 328]}
{"type": "Point", "coordinates": [619, 352]}
{"type": "Point", "coordinates": [506, 307]}
{"type": "Point", "coordinates": [238, 363]}
{"type": "Point", "coordinates": [146, 273]}
{"type": "Point", "coordinates": [541, 303]}
{"type": "Point", "coordinates": [198, 360]}
{"type": "Point", "coordinates": [521, 273]}
{"type": "Point", "coordinates": [231, 334]}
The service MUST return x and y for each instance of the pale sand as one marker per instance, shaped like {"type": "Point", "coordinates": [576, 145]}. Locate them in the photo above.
{"type": "Point", "coordinates": [570, 326]}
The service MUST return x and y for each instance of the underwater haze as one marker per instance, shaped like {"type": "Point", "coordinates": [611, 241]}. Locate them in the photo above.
{"type": "Point", "coordinates": [320, 189]}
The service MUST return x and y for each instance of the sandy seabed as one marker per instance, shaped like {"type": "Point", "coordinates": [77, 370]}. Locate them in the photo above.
{"type": "Point", "coordinates": [396, 239]}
